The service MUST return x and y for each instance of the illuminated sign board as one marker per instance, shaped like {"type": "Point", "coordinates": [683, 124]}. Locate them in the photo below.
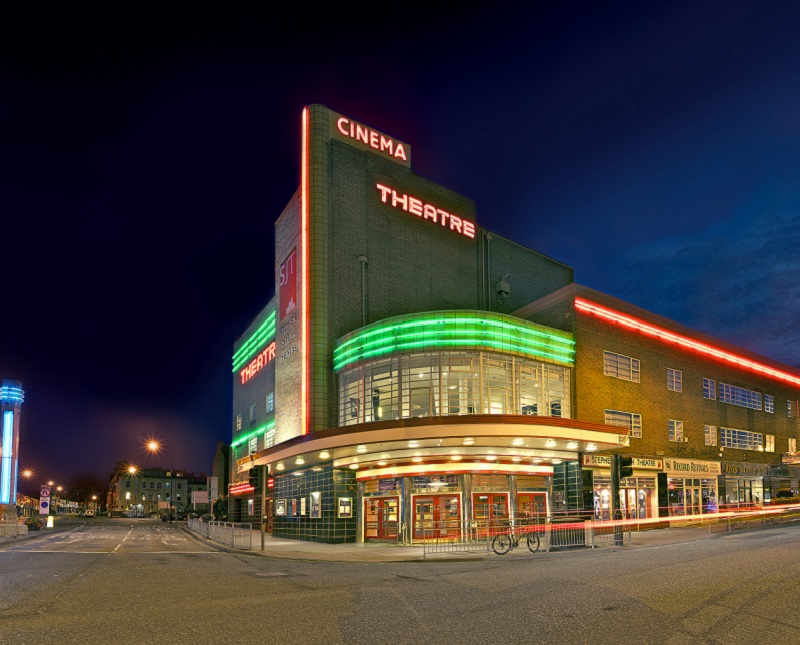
{"type": "Point", "coordinates": [287, 282]}
{"type": "Point", "coordinates": [426, 211]}
{"type": "Point", "coordinates": [258, 363]}
{"type": "Point", "coordinates": [362, 136]}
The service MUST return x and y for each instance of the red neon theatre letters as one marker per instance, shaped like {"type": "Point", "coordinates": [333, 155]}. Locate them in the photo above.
{"type": "Point", "coordinates": [426, 211]}
{"type": "Point", "coordinates": [259, 362]}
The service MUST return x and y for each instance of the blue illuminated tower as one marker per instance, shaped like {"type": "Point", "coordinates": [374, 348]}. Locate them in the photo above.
{"type": "Point", "coordinates": [11, 398]}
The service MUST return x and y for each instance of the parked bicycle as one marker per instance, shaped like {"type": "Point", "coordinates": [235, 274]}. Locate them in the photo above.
{"type": "Point", "coordinates": [502, 543]}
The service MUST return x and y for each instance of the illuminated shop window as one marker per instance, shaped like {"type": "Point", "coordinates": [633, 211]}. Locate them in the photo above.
{"type": "Point", "coordinates": [739, 396]}
{"type": "Point", "coordinates": [674, 380]}
{"type": "Point", "coordinates": [676, 430]}
{"type": "Point", "coordinates": [711, 435]}
{"type": "Point", "coordinates": [709, 389]}
{"type": "Point", "coordinates": [628, 420]}
{"type": "Point", "coordinates": [451, 384]}
{"type": "Point", "coordinates": [769, 443]}
{"type": "Point", "coordinates": [769, 403]}
{"type": "Point", "coordinates": [741, 439]}
{"type": "Point", "coordinates": [621, 367]}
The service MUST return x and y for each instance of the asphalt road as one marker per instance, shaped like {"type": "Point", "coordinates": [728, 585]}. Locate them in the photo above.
{"type": "Point", "coordinates": [123, 581]}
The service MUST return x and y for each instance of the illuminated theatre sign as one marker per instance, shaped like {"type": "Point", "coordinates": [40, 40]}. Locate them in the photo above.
{"type": "Point", "coordinates": [258, 363]}
{"type": "Point", "coordinates": [361, 136]}
{"type": "Point", "coordinates": [429, 212]}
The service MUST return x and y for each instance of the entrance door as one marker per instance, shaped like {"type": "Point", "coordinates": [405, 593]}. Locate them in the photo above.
{"type": "Point", "coordinates": [692, 496]}
{"type": "Point", "coordinates": [270, 515]}
{"type": "Point", "coordinates": [490, 510]}
{"type": "Point", "coordinates": [436, 516]}
{"type": "Point", "coordinates": [380, 518]}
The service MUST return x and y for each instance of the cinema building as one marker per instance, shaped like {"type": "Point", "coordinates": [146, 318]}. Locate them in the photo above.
{"type": "Point", "coordinates": [414, 368]}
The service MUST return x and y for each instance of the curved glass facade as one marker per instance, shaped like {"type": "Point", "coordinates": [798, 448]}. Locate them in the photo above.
{"type": "Point", "coordinates": [451, 383]}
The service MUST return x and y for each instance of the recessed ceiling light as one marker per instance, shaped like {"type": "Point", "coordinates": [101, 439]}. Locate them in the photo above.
{"type": "Point", "coordinates": [354, 466]}
{"type": "Point", "coordinates": [300, 461]}
{"type": "Point", "coordinates": [361, 449]}
{"type": "Point", "coordinates": [491, 457]}
{"type": "Point", "coordinates": [280, 465]}
{"type": "Point", "coordinates": [537, 460]}
{"type": "Point", "coordinates": [591, 447]}
{"type": "Point", "coordinates": [324, 454]}
{"type": "Point", "coordinates": [550, 443]}
{"type": "Point", "coordinates": [385, 455]}
{"type": "Point", "coordinates": [572, 445]}
{"type": "Point", "coordinates": [416, 460]}
{"type": "Point", "coordinates": [413, 444]}
{"type": "Point", "coordinates": [455, 457]}
{"type": "Point", "coordinates": [516, 459]}
{"type": "Point", "coordinates": [298, 473]}
{"type": "Point", "coordinates": [517, 442]}
{"type": "Point", "coordinates": [316, 469]}
{"type": "Point", "coordinates": [556, 461]}
{"type": "Point", "coordinates": [381, 463]}
{"type": "Point", "coordinates": [468, 441]}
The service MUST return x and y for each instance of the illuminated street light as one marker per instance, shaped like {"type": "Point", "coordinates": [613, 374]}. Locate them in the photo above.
{"type": "Point", "coordinates": [154, 447]}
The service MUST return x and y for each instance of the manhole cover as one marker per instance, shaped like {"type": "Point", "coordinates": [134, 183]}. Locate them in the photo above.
{"type": "Point", "coordinates": [271, 574]}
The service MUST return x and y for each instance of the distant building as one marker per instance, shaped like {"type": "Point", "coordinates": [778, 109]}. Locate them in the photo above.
{"type": "Point", "coordinates": [149, 491]}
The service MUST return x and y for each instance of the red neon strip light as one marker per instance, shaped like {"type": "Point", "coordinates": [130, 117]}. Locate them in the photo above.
{"type": "Point", "coordinates": [304, 262]}
{"type": "Point", "coordinates": [241, 488]}
{"type": "Point", "coordinates": [664, 335]}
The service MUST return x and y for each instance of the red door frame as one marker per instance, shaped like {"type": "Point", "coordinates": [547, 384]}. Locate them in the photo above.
{"type": "Point", "coordinates": [436, 513]}
{"type": "Point", "coordinates": [384, 530]}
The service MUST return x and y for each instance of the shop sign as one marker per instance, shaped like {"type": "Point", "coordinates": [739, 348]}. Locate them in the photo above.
{"type": "Point", "coordinates": [690, 467]}
{"type": "Point", "coordinates": [280, 507]}
{"type": "Point", "coordinates": [429, 212]}
{"type": "Point", "coordinates": [361, 136]}
{"type": "Point", "coordinates": [385, 485]}
{"type": "Point", "coordinates": [737, 468]}
{"type": "Point", "coordinates": [790, 458]}
{"type": "Point", "coordinates": [639, 463]}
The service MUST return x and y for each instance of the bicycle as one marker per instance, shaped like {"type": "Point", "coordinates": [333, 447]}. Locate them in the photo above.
{"type": "Point", "coordinates": [502, 543]}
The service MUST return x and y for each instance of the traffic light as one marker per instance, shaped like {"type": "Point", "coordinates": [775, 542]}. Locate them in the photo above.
{"type": "Point", "coordinates": [625, 467]}
{"type": "Point", "coordinates": [253, 477]}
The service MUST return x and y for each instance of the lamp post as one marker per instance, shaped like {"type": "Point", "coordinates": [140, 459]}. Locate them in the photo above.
{"type": "Point", "coordinates": [132, 471]}
{"type": "Point", "coordinates": [154, 447]}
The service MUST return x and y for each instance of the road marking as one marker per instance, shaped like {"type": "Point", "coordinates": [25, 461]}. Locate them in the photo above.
{"type": "Point", "coordinates": [123, 539]}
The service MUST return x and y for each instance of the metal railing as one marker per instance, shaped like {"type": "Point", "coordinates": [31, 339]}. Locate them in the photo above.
{"type": "Point", "coordinates": [236, 535]}
{"type": "Point", "coordinates": [12, 530]}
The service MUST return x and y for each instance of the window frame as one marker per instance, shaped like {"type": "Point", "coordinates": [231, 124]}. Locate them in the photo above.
{"type": "Point", "coordinates": [614, 366]}
{"type": "Point", "coordinates": [674, 380]}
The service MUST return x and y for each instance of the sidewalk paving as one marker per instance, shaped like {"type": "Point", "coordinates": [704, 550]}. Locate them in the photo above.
{"type": "Point", "coordinates": [372, 552]}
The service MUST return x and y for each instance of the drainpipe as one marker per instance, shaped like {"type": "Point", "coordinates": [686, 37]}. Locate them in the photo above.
{"type": "Point", "coordinates": [363, 260]}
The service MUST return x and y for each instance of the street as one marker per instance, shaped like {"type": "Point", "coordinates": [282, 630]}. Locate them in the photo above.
{"type": "Point", "coordinates": [126, 581]}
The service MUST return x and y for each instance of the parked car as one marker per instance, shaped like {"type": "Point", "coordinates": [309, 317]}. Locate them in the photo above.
{"type": "Point", "coordinates": [89, 514]}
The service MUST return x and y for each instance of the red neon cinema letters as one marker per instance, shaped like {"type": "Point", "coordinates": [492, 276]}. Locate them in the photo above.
{"type": "Point", "coordinates": [371, 138]}
{"type": "Point", "coordinates": [426, 211]}
{"type": "Point", "coordinates": [259, 362]}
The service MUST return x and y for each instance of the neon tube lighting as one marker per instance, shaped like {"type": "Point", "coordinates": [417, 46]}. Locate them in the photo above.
{"type": "Point", "coordinates": [304, 264]}
{"type": "Point", "coordinates": [472, 332]}
{"type": "Point", "coordinates": [7, 457]}
{"type": "Point", "coordinates": [267, 426]}
{"type": "Point", "coordinates": [667, 336]}
{"type": "Point", "coordinates": [261, 336]}
{"type": "Point", "coordinates": [10, 394]}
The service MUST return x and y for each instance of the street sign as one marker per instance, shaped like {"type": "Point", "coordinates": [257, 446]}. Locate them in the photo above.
{"type": "Point", "coordinates": [45, 492]}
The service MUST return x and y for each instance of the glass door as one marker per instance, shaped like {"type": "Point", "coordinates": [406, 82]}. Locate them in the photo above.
{"type": "Point", "coordinates": [436, 516]}
{"type": "Point", "coordinates": [380, 518]}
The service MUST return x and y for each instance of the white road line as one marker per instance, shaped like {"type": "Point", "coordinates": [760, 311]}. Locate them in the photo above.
{"type": "Point", "coordinates": [123, 539]}
{"type": "Point", "coordinates": [126, 553]}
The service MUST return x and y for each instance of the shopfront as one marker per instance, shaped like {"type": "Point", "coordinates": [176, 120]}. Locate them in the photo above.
{"type": "Point", "coordinates": [692, 486]}
{"type": "Point", "coordinates": [638, 494]}
{"type": "Point", "coordinates": [744, 484]}
{"type": "Point", "coordinates": [382, 509]}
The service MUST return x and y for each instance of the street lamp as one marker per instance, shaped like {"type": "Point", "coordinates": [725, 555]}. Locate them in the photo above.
{"type": "Point", "coordinates": [154, 447]}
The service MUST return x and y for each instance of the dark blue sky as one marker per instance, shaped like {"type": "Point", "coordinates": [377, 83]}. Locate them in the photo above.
{"type": "Point", "coordinates": [654, 147]}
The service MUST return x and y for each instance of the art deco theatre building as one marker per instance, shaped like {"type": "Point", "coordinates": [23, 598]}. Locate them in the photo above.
{"type": "Point", "coordinates": [413, 368]}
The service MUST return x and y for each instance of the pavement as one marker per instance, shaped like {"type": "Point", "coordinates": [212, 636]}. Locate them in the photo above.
{"type": "Point", "coordinates": [372, 552]}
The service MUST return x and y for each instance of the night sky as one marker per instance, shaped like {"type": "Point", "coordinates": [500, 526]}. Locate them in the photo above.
{"type": "Point", "coordinates": [654, 147]}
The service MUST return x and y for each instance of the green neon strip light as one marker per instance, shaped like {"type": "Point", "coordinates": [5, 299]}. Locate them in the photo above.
{"type": "Point", "coordinates": [477, 330]}
{"type": "Point", "coordinates": [267, 426]}
{"type": "Point", "coordinates": [260, 336]}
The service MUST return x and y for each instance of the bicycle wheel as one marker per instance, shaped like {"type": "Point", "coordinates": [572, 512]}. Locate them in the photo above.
{"type": "Point", "coordinates": [533, 541]}
{"type": "Point", "coordinates": [501, 544]}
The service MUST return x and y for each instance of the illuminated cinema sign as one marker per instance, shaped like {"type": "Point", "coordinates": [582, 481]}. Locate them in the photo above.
{"type": "Point", "coordinates": [258, 363]}
{"type": "Point", "coordinates": [361, 136]}
{"type": "Point", "coordinates": [426, 211]}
